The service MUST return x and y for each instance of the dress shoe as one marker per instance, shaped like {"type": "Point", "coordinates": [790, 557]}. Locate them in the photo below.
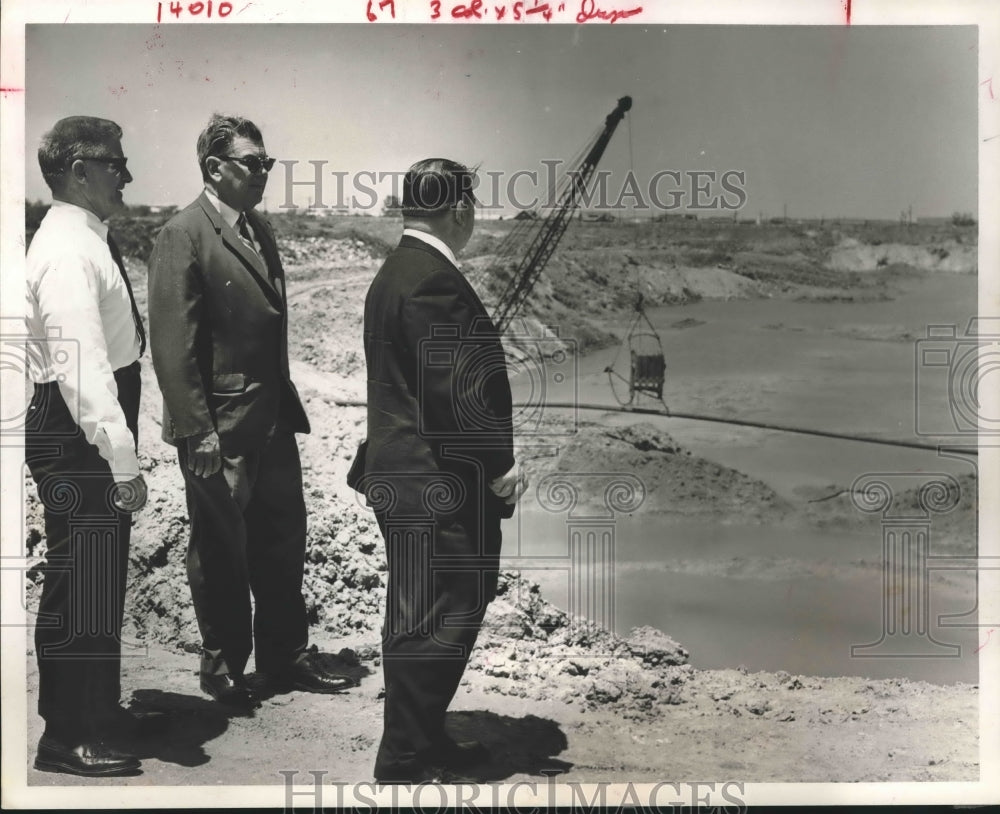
{"type": "Point", "coordinates": [309, 675]}
{"type": "Point", "coordinates": [233, 691]}
{"type": "Point", "coordinates": [460, 754]}
{"type": "Point", "coordinates": [95, 759]}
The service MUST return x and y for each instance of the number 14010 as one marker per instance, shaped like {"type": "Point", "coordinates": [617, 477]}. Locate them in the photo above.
{"type": "Point", "coordinates": [195, 9]}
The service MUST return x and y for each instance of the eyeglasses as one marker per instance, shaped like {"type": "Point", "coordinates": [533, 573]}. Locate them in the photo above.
{"type": "Point", "coordinates": [119, 165]}
{"type": "Point", "coordinates": [254, 163]}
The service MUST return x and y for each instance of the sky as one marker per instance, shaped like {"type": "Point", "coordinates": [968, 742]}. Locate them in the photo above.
{"type": "Point", "coordinates": [824, 121]}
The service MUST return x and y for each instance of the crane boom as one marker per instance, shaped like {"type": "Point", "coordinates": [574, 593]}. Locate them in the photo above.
{"type": "Point", "coordinates": [544, 243]}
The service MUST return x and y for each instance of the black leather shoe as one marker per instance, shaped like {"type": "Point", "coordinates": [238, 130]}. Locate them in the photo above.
{"type": "Point", "coordinates": [309, 675]}
{"type": "Point", "coordinates": [95, 759]}
{"type": "Point", "coordinates": [233, 691]}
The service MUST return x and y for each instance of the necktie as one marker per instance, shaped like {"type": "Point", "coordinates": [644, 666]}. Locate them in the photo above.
{"type": "Point", "coordinates": [244, 231]}
{"type": "Point", "coordinates": [139, 329]}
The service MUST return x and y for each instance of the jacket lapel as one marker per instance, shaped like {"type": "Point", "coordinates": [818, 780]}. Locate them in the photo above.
{"type": "Point", "coordinates": [250, 260]}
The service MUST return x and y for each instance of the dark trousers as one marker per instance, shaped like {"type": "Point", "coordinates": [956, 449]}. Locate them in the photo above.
{"type": "Point", "coordinates": [442, 575]}
{"type": "Point", "coordinates": [78, 630]}
{"type": "Point", "coordinates": [248, 535]}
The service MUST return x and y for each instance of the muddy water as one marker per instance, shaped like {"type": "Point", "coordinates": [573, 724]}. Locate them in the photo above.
{"type": "Point", "coordinates": [775, 597]}
{"type": "Point", "coordinates": [766, 597]}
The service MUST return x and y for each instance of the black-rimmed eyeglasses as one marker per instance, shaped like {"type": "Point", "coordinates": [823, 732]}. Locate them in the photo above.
{"type": "Point", "coordinates": [119, 165]}
{"type": "Point", "coordinates": [254, 163]}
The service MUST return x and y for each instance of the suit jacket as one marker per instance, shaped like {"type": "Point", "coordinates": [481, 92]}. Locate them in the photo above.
{"type": "Point", "coordinates": [439, 399]}
{"type": "Point", "coordinates": [218, 331]}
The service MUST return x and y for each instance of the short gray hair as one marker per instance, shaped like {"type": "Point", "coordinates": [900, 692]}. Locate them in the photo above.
{"type": "Point", "coordinates": [71, 138]}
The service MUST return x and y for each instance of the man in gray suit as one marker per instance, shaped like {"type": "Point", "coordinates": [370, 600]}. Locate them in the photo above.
{"type": "Point", "coordinates": [219, 341]}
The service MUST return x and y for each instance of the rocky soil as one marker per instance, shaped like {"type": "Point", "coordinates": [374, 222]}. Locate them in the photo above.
{"type": "Point", "coordinates": [544, 690]}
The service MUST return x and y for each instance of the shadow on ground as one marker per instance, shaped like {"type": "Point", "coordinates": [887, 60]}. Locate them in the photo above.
{"type": "Point", "coordinates": [194, 721]}
{"type": "Point", "coordinates": [525, 745]}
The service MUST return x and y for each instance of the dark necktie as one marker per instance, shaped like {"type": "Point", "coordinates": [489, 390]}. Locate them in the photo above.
{"type": "Point", "coordinates": [139, 329]}
{"type": "Point", "coordinates": [244, 232]}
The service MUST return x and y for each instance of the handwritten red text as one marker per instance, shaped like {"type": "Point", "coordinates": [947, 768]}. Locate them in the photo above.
{"type": "Point", "coordinates": [382, 6]}
{"type": "Point", "coordinates": [195, 9]}
{"type": "Point", "coordinates": [590, 11]}
{"type": "Point", "coordinates": [517, 11]}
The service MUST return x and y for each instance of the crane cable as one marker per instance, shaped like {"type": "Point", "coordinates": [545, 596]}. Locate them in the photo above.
{"type": "Point", "coordinates": [647, 363]}
{"type": "Point", "coordinates": [739, 422]}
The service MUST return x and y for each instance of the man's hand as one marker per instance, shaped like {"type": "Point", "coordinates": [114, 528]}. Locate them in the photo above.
{"type": "Point", "coordinates": [130, 496]}
{"type": "Point", "coordinates": [511, 485]}
{"type": "Point", "coordinates": [204, 454]}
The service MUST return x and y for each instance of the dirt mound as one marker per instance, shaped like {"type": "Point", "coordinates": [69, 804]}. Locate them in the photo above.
{"type": "Point", "coordinates": [794, 273]}
{"type": "Point", "coordinates": [954, 509]}
{"type": "Point", "coordinates": [674, 481]}
{"type": "Point", "coordinates": [875, 332]}
{"type": "Point", "coordinates": [531, 649]}
{"type": "Point", "coordinates": [323, 253]}
{"type": "Point", "coordinates": [319, 314]}
{"type": "Point", "coordinates": [945, 256]}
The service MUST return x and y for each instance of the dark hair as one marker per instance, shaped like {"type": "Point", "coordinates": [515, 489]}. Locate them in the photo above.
{"type": "Point", "coordinates": [434, 185]}
{"type": "Point", "coordinates": [219, 134]}
{"type": "Point", "coordinates": [70, 138]}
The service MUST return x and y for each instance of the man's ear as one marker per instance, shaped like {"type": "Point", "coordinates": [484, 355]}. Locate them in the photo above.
{"type": "Point", "coordinates": [212, 167]}
{"type": "Point", "coordinates": [78, 171]}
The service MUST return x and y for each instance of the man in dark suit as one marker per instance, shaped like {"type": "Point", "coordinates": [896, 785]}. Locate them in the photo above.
{"type": "Point", "coordinates": [438, 468]}
{"type": "Point", "coordinates": [218, 335]}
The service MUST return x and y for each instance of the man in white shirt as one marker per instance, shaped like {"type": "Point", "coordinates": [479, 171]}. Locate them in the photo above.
{"type": "Point", "coordinates": [86, 337]}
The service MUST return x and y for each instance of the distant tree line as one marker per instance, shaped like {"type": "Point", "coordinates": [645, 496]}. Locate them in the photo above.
{"type": "Point", "coordinates": [135, 227]}
{"type": "Point", "coordinates": [392, 207]}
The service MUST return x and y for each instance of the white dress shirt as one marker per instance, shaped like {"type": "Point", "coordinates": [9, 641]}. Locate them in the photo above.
{"type": "Point", "coordinates": [436, 242]}
{"type": "Point", "coordinates": [80, 327]}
